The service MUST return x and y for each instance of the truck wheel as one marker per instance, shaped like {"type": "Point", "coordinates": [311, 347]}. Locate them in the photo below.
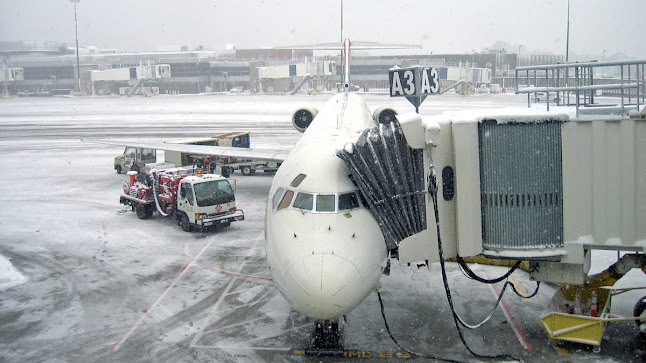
{"type": "Point", "coordinates": [142, 211]}
{"type": "Point", "coordinates": [118, 168]}
{"type": "Point", "coordinates": [246, 170]}
{"type": "Point", "coordinates": [150, 209]}
{"type": "Point", "coordinates": [184, 223]}
{"type": "Point", "coordinates": [639, 311]}
{"type": "Point", "coordinates": [225, 171]}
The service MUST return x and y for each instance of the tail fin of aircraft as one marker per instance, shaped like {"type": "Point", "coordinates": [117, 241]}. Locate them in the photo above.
{"type": "Point", "coordinates": [346, 66]}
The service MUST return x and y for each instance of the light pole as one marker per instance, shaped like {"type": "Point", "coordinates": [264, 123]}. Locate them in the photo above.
{"type": "Point", "coordinates": [341, 59]}
{"type": "Point", "coordinates": [603, 59]}
{"type": "Point", "coordinates": [518, 57]}
{"type": "Point", "coordinates": [502, 53]}
{"type": "Point", "coordinates": [567, 35]}
{"type": "Point", "coordinates": [567, 51]}
{"type": "Point", "coordinates": [78, 60]}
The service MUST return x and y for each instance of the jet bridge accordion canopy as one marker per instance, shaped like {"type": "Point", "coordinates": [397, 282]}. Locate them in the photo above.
{"type": "Point", "coordinates": [390, 177]}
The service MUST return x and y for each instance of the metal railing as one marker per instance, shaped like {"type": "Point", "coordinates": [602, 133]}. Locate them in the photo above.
{"type": "Point", "coordinates": [561, 80]}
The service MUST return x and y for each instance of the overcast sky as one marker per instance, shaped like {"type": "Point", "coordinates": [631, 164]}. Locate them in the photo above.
{"type": "Point", "coordinates": [438, 25]}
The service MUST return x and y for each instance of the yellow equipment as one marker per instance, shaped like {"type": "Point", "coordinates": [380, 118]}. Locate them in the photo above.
{"type": "Point", "coordinates": [583, 311]}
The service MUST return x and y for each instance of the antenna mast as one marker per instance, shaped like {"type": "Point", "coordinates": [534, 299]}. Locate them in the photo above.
{"type": "Point", "coordinates": [341, 58]}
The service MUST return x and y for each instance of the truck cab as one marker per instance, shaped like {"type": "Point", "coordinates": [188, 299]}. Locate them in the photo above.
{"type": "Point", "coordinates": [207, 201]}
{"type": "Point", "coordinates": [134, 159]}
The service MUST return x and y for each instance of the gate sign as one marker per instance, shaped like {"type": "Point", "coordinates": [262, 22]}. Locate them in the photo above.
{"type": "Point", "coordinates": [414, 83]}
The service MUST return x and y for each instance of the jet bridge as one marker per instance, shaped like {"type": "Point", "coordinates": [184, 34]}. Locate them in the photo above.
{"type": "Point", "coordinates": [135, 76]}
{"type": "Point", "coordinates": [544, 187]}
{"type": "Point", "coordinates": [9, 75]}
{"type": "Point", "coordinates": [284, 76]}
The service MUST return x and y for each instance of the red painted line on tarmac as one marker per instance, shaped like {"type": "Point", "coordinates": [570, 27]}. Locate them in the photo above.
{"type": "Point", "coordinates": [241, 275]}
{"type": "Point", "coordinates": [134, 326]}
{"type": "Point", "coordinates": [185, 251]}
{"type": "Point", "coordinates": [510, 317]}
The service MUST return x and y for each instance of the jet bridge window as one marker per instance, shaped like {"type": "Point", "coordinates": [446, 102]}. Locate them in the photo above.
{"type": "Point", "coordinates": [325, 203]}
{"type": "Point", "coordinates": [348, 201]}
{"type": "Point", "coordinates": [286, 201]}
{"type": "Point", "coordinates": [304, 201]}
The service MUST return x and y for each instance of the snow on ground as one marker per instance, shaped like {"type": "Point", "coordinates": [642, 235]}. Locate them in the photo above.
{"type": "Point", "coordinates": [9, 276]}
{"type": "Point", "coordinates": [102, 285]}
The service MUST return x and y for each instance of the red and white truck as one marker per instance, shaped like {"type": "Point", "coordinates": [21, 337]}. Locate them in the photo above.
{"type": "Point", "coordinates": [194, 199]}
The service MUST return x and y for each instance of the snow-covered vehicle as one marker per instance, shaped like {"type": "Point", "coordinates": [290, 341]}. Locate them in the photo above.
{"type": "Point", "coordinates": [134, 158]}
{"type": "Point", "coordinates": [194, 199]}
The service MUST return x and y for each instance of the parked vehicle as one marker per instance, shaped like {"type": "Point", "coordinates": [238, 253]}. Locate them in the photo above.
{"type": "Point", "coordinates": [227, 165]}
{"type": "Point", "coordinates": [134, 159]}
{"type": "Point", "coordinates": [186, 194]}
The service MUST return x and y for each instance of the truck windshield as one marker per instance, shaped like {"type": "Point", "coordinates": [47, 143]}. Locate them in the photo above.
{"type": "Point", "coordinates": [213, 192]}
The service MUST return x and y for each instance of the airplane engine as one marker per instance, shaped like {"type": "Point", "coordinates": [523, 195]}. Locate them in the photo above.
{"type": "Point", "coordinates": [303, 117]}
{"type": "Point", "coordinates": [384, 115]}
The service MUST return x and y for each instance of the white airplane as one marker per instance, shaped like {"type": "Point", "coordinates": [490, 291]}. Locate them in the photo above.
{"type": "Point", "coordinates": [324, 248]}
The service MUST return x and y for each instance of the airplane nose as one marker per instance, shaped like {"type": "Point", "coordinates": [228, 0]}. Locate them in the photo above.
{"type": "Point", "coordinates": [325, 285]}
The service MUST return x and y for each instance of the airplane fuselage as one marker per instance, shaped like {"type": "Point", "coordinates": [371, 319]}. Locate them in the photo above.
{"type": "Point", "coordinates": [324, 248]}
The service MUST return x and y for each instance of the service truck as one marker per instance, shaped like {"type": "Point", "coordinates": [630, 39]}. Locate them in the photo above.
{"type": "Point", "coordinates": [134, 158]}
{"type": "Point", "coordinates": [227, 165]}
{"type": "Point", "coordinates": [184, 193]}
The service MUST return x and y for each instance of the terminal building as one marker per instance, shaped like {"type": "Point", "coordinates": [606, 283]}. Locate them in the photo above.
{"type": "Point", "coordinates": [52, 67]}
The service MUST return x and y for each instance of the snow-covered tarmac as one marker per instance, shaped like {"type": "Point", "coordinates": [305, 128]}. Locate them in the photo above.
{"type": "Point", "coordinates": [83, 280]}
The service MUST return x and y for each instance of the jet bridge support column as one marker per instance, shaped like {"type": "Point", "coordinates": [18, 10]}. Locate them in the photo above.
{"type": "Point", "coordinates": [134, 88]}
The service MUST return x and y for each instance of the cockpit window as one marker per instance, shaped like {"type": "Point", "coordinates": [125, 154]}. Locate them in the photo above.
{"type": "Point", "coordinates": [325, 203]}
{"type": "Point", "coordinates": [286, 201]}
{"type": "Point", "coordinates": [304, 201]}
{"type": "Point", "coordinates": [277, 196]}
{"type": "Point", "coordinates": [297, 181]}
{"type": "Point", "coordinates": [348, 201]}
{"type": "Point", "coordinates": [317, 203]}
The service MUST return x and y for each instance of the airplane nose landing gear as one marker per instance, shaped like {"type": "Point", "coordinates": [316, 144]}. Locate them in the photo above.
{"type": "Point", "coordinates": [326, 339]}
